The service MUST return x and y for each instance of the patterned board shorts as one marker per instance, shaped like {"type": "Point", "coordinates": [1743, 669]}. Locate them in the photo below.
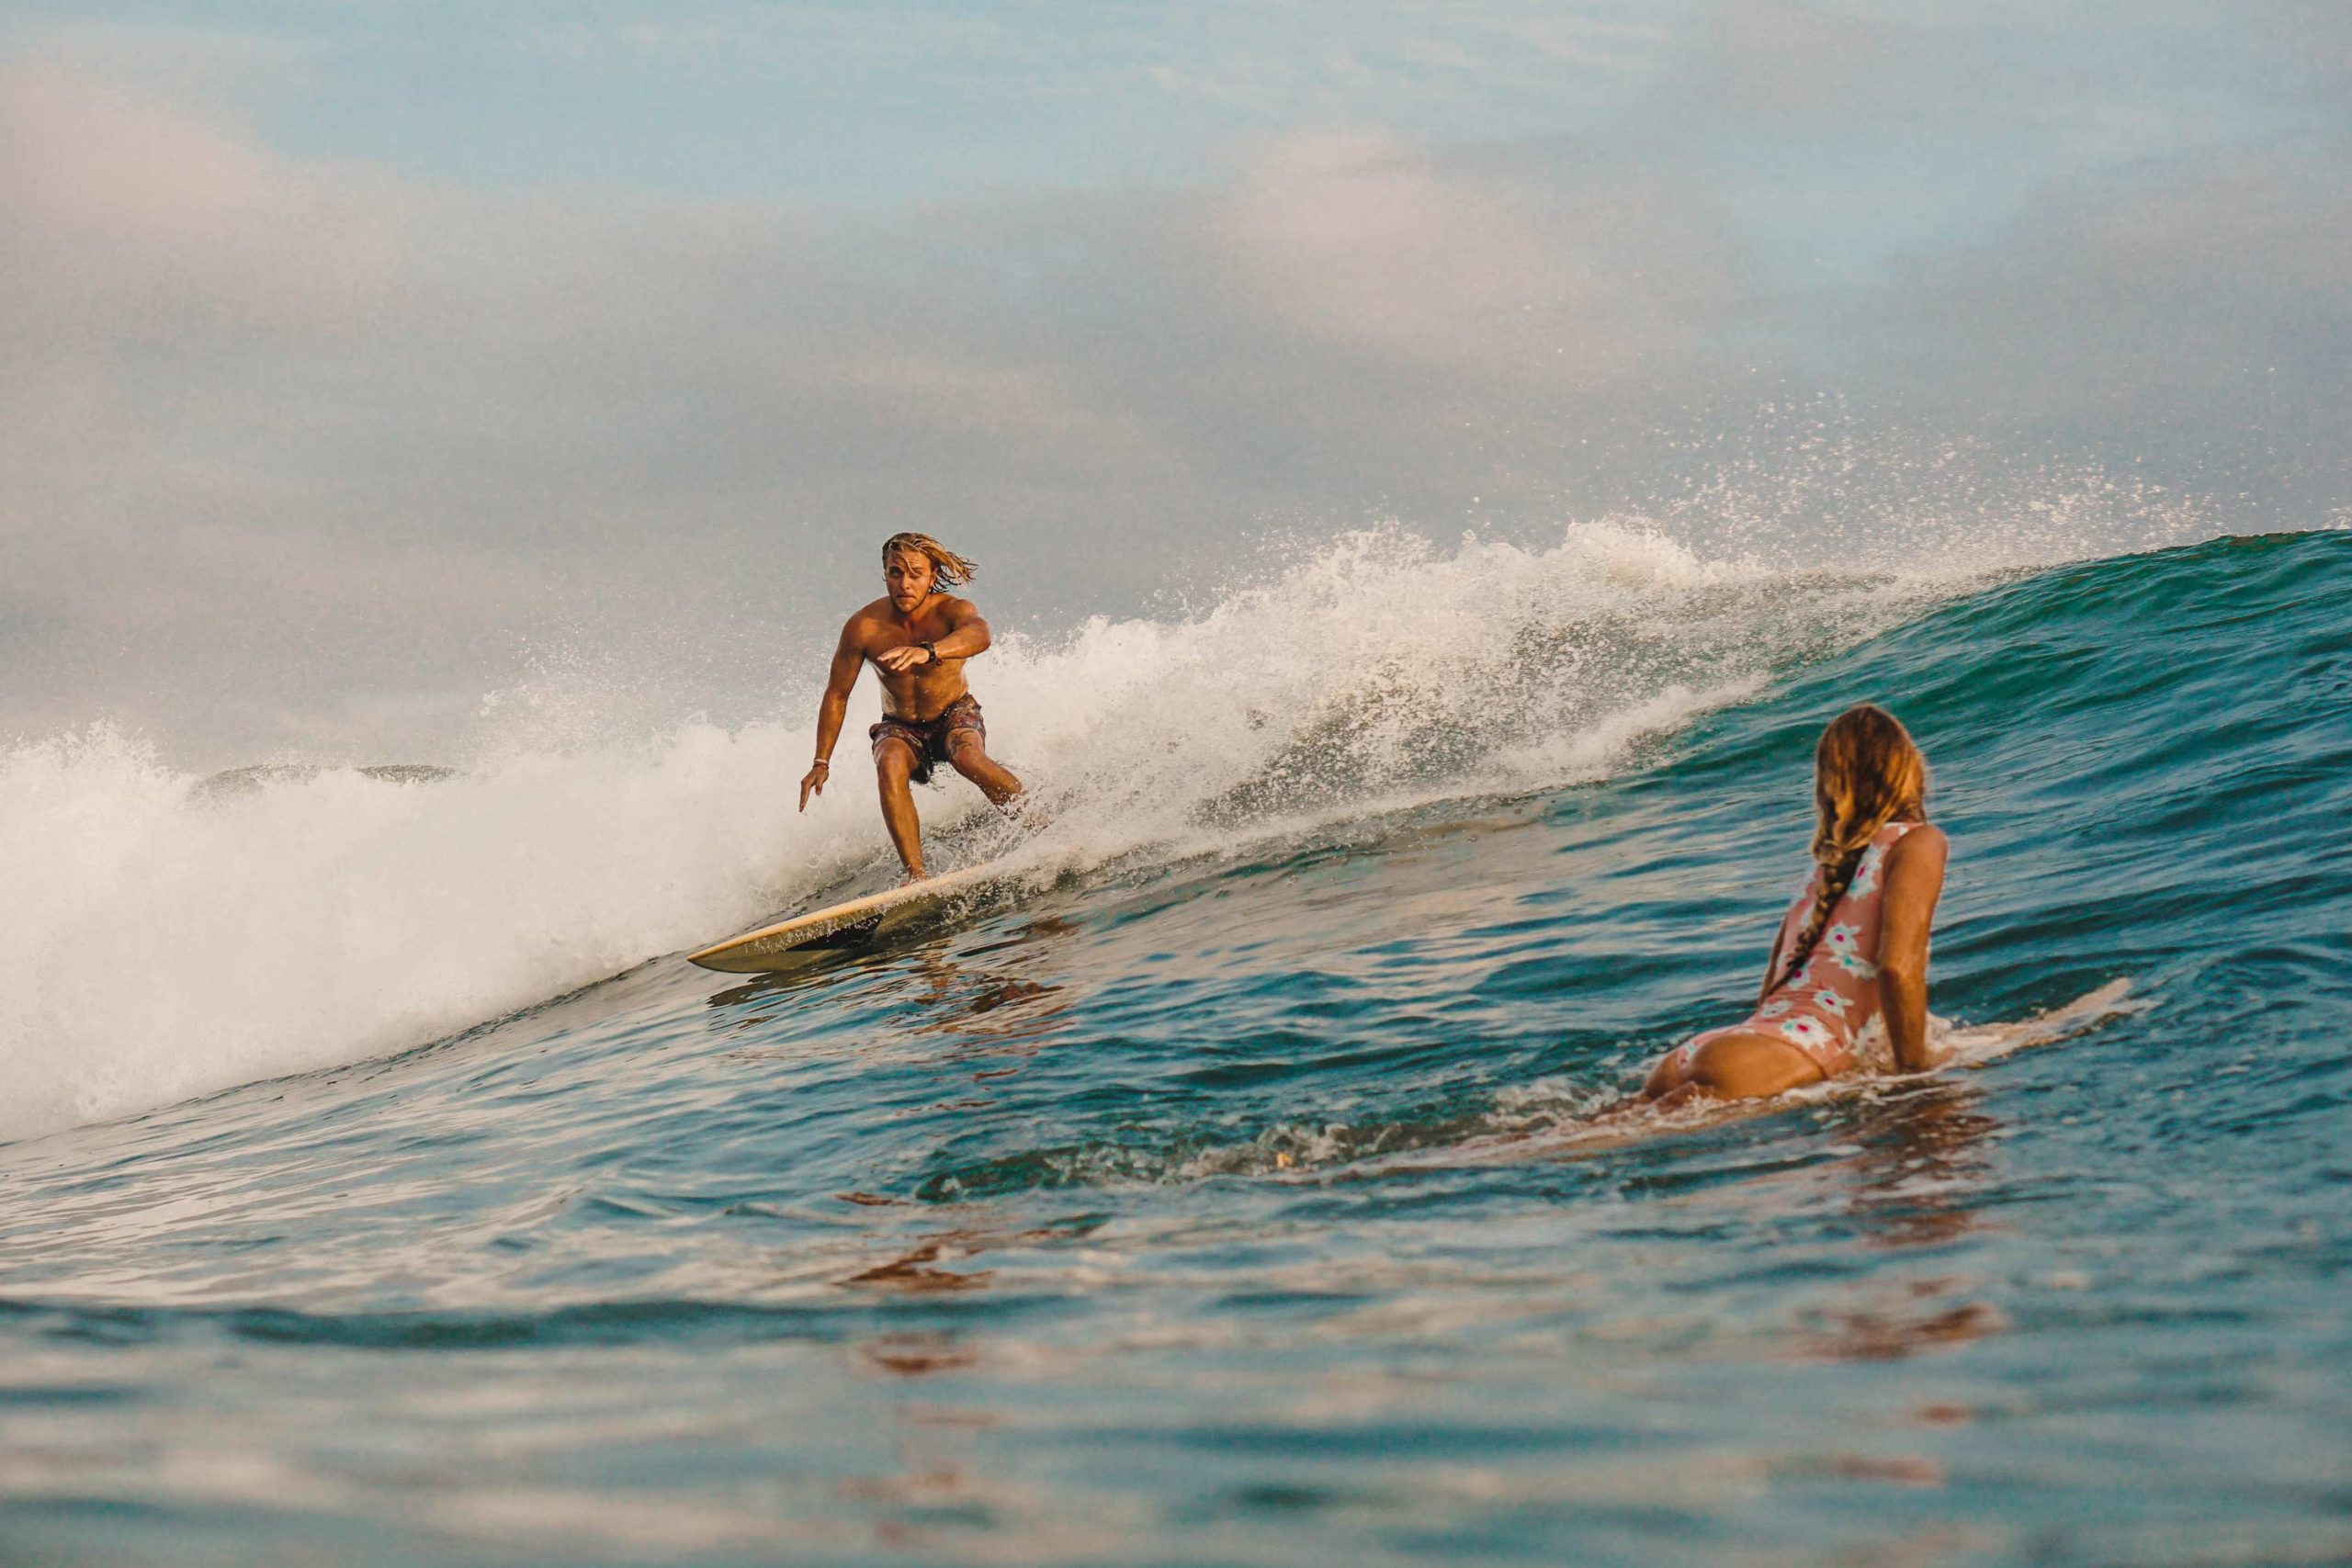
{"type": "Point", "coordinates": [930, 737]}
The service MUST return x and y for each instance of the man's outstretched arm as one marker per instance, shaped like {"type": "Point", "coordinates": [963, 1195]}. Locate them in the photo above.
{"type": "Point", "coordinates": [967, 634]}
{"type": "Point", "coordinates": [831, 712]}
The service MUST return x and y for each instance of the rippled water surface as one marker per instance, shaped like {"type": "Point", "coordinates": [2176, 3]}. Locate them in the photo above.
{"type": "Point", "coordinates": [1222, 1198]}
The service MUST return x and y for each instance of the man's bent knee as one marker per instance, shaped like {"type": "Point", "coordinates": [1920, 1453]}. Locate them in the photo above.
{"type": "Point", "coordinates": [967, 754]}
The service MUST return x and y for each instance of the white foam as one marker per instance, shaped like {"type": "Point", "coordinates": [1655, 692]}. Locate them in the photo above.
{"type": "Point", "coordinates": [162, 941]}
{"type": "Point", "coordinates": [158, 943]}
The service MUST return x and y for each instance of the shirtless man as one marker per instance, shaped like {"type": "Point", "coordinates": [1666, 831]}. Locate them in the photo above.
{"type": "Point", "coordinates": [918, 638]}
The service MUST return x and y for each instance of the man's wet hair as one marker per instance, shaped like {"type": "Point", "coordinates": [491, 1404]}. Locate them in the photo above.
{"type": "Point", "coordinates": [948, 568]}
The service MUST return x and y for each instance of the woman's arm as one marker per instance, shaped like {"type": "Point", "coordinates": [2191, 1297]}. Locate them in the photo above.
{"type": "Point", "coordinates": [1914, 878]}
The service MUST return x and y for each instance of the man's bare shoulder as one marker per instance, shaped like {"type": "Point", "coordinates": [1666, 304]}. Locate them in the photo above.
{"type": "Point", "coordinates": [866, 620]}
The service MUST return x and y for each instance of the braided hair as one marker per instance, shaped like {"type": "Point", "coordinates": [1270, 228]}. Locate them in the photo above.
{"type": "Point", "coordinates": [1866, 771]}
{"type": "Point", "coordinates": [949, 570]}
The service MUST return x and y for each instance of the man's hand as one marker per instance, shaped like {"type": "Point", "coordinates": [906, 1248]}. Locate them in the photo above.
{"type": "Point", "coordinates": [898, 660]}
{"type": "Point", "coordinates": [813, 782]}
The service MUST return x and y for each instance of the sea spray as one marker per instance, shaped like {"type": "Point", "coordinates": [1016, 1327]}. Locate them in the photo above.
{"type": "Point", "coordinates": [163, 940]}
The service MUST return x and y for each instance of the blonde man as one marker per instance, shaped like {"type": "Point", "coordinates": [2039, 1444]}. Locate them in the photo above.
{"type": "Point", "coordinates": [918, 637]}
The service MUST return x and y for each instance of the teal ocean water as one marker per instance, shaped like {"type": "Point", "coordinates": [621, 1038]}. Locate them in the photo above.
{"type": "Point", "coordinates": [1217, 1190]}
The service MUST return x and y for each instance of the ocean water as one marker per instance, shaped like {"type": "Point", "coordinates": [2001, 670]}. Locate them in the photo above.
{"type": "Point", "coordinates": [1219, 1189]}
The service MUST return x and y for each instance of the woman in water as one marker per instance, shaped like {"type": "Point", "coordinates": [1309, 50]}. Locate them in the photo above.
{"type": "Point", "coordinates": [1849, 968]}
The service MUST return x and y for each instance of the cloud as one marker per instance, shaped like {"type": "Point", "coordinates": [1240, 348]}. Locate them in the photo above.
{"type": "Point", "coordinates": [1789, 58]}
{"type": "Point", "coordinates": [1357, 241]}
{"type": "Point", "coordinates": [2207, 309]}
{"type": "Point", "coordinates": [139, 240]}
{"type": "Point", "coordinates": [213, 70]}
{"type": "Point", "coordinates": [284, 418]}
{"type": "Point", "coordinates": [2314, 40]}
{"type": "Point", "coordinates": [290, 445]}
{"type": "Point", "coordinates": [1082, 50]}
{"type": "Point", "coordinates": [136, 221]}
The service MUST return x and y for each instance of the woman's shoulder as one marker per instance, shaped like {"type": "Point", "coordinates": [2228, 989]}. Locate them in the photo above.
{"type": "Point", "coordinates": [1915, 842]}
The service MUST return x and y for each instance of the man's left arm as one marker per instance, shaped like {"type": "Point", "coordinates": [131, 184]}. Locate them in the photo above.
{"type": "Point", "coordinates": [967, 634]}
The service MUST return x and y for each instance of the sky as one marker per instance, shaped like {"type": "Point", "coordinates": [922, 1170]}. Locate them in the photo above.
{"type": "Point", "coordinates": [362, 367]}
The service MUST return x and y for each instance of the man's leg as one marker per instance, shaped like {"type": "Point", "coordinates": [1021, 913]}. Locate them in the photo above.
{"type": "Point", "coordinates": [893, 760]}
{"type": "Point", "coordinates": [970, 758]}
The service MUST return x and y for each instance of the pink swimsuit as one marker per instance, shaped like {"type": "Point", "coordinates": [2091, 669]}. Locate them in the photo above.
{"type": "Point", "coordinates": [1831, 1008]}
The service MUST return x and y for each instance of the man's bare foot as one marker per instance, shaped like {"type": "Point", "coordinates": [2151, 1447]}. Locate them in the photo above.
{"type": "Point", "coordinates": [914, 874]}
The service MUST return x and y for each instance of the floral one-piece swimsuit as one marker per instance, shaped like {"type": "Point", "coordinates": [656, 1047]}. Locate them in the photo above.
{"type": "Point", "coordinates": [1831, 1008]}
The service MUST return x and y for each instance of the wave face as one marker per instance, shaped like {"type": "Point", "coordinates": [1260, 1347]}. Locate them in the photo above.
{"type": "Point", "coordinates": [1213, 1192]}
{"type": "Point", "coordinates": [177, 935]}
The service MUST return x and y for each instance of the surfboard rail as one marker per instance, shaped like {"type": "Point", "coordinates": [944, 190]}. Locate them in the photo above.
{"type": "Point", "coordinates": [759, 952]}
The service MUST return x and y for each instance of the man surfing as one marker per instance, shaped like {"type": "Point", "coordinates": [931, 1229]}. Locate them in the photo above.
{"type": "Point", "coordinates": [918, 637]}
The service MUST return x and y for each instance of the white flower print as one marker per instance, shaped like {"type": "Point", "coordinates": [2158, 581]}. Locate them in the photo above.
{"type": "Point", "coordinates": [1866, 874]}
{"type": "Point", "coordinates": [1806, 1032]}
{"type": "Point", "coordinates": [1843, 941]}
{"type": "Point", "coordinates": [1831, 1003]}
{"type": "Point", "coordinates": [1773, 1009]}
{"type": "Point", "coordinates": [1859, 968]}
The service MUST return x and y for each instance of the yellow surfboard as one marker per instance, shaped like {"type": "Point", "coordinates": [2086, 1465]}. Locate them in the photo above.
{"type": "Point", "coordinates": [756, 953]}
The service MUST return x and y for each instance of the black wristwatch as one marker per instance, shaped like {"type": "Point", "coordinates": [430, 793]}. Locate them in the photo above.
{"type": "Point", "coordinates": [931, 650]}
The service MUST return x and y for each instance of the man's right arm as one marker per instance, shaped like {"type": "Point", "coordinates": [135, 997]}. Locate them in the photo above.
{"type": "Point", "coordinates": [847, 656]}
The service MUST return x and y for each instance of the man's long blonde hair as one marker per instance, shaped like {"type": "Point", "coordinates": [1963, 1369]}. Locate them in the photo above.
{"type": "Point", "coordinates": [1866, 772]}
{"type": "Point", "coordinates": [949, 570]}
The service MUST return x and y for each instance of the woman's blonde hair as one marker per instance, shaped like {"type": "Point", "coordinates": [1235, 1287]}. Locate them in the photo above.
{"type": "Point", "coordinates": [949, 570]}
{"type": "Point", "coordinates": [1866, 772]}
